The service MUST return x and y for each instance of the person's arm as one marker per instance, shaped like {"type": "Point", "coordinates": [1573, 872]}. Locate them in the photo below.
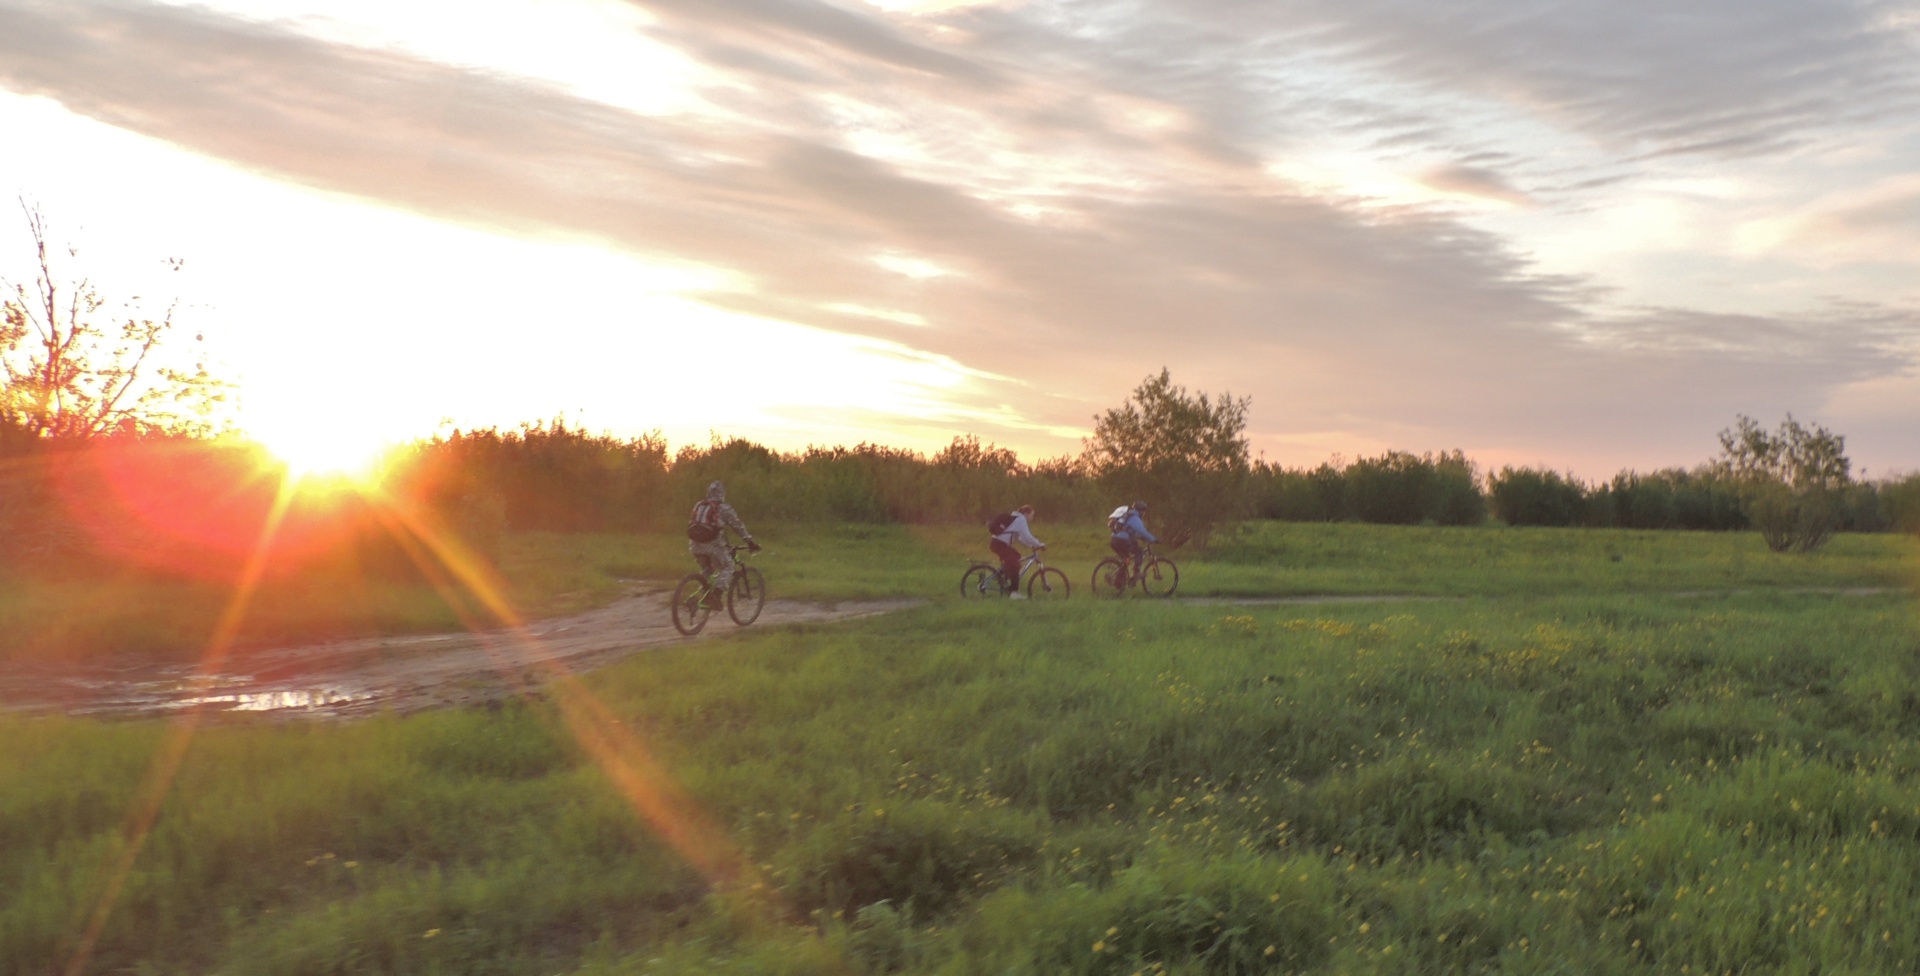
{"type": "Point", "coordinates": [731, 519]}
{"type": "Point", "coordinates": [1139, 527]}
{"type": "Point", "coordinates": [1023, 534]}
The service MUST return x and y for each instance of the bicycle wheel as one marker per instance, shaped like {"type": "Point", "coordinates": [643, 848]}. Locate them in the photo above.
{"type": "Point", "coordinates": [1048, 584]}
{"type": "Point", "coordinates": [1160, 578]}
{"type": "Point", "coordinates": [746, 596]}
{"type": "Point", "coordinates": [980, 580]}
{"type": "Point", "coordinates": [1108, 578]}
{"type": "Point", "coordinates": [689, 612]}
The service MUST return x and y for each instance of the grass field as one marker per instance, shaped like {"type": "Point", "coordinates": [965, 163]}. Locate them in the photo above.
{"type": "Point", "coordinates": [1692, 758]}
{"type": "Point", "coordinates": [79, 619]}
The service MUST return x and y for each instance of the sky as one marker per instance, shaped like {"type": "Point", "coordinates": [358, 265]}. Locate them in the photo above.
{"type": "Point", "coordinates": [1577, 234]}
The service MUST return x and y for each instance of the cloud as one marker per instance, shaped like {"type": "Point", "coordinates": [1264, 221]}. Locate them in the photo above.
{"type": "Point", "coordinates": [1088, 231]}
{"type": "Point", "coordinates": [1877, 222]}
{"type": "Point", "coordinates": [1720, 77]}
{"type": "Point", "coordinates": [1476, 181]}
{"type": "Point", "coordinates": [785, 21]}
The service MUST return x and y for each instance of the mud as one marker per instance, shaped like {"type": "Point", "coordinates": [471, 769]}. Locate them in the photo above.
{"type": "Point", "coordinates": [345, 679]}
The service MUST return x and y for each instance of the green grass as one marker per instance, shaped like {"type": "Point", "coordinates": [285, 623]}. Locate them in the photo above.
{"type": "Point", "coordinates": [1523, 780]}
{"type": "Point", "coordinates": [547, 575]}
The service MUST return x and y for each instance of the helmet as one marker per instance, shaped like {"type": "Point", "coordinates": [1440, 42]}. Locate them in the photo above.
{"type": "Point", "coordinates": [717, 491]}
{"type": "Point", "coordinates": [1139, 506]}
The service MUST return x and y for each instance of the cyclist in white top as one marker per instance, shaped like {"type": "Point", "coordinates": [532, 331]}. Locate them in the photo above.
{"type": "Point", "coordinates": [1013, 528]}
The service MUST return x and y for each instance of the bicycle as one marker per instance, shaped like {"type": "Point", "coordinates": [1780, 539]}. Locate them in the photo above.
{"type": "Point", "coordinates": [744, 598]}
{"type": "Point", "coordinates": [1158, 576]}
{"type": "Point", "coordinates": [1043, 582]}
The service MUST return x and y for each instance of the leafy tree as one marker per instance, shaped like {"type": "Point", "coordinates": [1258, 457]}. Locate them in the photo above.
{"type": "Point", "coordinates": [1185, 454]}
{"type": "Point", "coordinates": [72, 371]}
{"type": "Point", "coordinates": [1792, 481]}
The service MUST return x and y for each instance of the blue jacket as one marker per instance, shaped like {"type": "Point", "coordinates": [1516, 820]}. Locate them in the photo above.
{"type": "Point", "coordinates": [1134, 528]}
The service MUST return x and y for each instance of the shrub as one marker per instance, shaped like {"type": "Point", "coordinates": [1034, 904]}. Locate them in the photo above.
{"type": "Point", "coordinates": [1400, 488]}
{"type": "Point", "coordinates": [1900, 500]}
{"type": "Point", "coordinates": [1526, 496]}
{"type": "Point", "coordinates": [1792, 481]}
{"type": "Point", "coordinates": [1295, 496]}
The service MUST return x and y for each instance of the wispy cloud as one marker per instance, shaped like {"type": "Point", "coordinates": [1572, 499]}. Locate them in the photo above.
{"type": "Point", "coordinates": [1071, 194]}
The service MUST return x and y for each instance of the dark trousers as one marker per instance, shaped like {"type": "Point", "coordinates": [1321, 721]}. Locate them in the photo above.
{"type": "Point", "coordinates": [1009, 561]}
{"type": "Point", "coordinates": [1128, 550]}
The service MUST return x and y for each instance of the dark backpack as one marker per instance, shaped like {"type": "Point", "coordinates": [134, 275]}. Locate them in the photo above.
{"type": "Point", "coordinates": [704, 524]}
{"type": "Point", "coordinates": [999, 523]}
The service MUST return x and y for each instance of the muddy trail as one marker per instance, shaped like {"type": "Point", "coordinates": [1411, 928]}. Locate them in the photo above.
{"type": "Point", "coordinates": [351, 678]}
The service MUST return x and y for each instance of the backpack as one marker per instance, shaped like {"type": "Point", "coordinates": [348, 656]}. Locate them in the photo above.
{"type": "Point", "coordinates": [1117, 522]}
{"type": "Point", "coordinates": [704, 524]}
{"type": "Point", "coordinates": [999, 523]}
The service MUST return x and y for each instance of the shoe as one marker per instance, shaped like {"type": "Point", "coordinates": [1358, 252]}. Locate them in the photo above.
{"type": "Point", "coordinates": [713, 602]}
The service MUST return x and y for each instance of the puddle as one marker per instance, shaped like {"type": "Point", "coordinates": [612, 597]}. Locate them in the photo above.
{"type": "Point", "coordinates": [160, 698]}
{"type": "Point", "coordinates": [267, 701]}
{"type": "Point", "coordinates": [345, 679]}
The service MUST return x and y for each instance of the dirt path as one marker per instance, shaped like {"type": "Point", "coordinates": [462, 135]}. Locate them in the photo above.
{"type": "Point", "coordinates": [345, 679]}
{"type": "Point", "coordinates": [350, 678]}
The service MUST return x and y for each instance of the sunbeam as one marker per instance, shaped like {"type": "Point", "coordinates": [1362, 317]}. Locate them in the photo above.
{"type": "Point", "coordinates": [647, 787]}
{"type": "Point", "coordinates": [173, 749]}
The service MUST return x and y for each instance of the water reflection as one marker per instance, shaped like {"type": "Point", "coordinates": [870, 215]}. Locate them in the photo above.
{"type": "Point", "coordinates": [266, 701]}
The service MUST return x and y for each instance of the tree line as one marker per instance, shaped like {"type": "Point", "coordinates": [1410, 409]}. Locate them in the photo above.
{"type": "Point", "coordinates": [97, 440]}
{"type": "Point", "coordinates": [1183, 453]}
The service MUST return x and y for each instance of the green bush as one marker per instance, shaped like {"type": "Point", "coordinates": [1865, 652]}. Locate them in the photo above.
{"type": "Point", "coordinates": [1526, 496]}
{"type": "Point", "coordinates": [1399, 488]}
{"type": "Point", "coordinates": [1900, 498]}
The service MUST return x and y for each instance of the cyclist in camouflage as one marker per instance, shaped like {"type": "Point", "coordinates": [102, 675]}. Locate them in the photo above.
{"type": "Point", "coordinates": [712, 518]}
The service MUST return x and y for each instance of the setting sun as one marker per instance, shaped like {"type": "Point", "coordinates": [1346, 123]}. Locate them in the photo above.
{"type": "Point", "coordinates": [316, 449]}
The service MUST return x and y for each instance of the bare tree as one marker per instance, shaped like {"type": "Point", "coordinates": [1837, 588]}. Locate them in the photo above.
{"type": "Point", "coordinates": [70, 370]}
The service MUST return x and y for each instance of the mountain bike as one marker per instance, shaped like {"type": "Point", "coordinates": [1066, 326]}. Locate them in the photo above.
{"type": "Point", "coordinates": [1043, 581]}
{"type": "Point", "coordinates": [1158, 576]}
{"type": "Point", "coordinates": [743, 599]}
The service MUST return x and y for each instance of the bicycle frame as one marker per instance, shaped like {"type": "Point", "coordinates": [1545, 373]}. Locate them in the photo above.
{"type": "Point", "coordinates": [733, 553]}
{"type": "Point", "coordinates": [1027, 566]}
{"type": "Point", "coordinates": [1136, 566]}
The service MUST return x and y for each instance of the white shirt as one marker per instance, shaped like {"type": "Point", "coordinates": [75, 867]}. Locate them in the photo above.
{"type": "Point", "coordinates": [1017, 532]}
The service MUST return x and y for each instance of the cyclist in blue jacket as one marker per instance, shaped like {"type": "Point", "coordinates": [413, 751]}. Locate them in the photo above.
{"type": "Point", "coordinates": [1129, 531]}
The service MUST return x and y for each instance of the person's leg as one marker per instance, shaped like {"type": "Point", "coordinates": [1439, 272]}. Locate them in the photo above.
{"type": "Point", "coordinates": [1123, 548]}
{"type": "Point", "coordinates": [716, 563]}
{"type": "Point", "coordinates": [1009, 562]}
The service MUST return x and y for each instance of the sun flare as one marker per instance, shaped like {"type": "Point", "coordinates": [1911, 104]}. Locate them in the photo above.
{"type": "Point", "coordinates": [320, 449]}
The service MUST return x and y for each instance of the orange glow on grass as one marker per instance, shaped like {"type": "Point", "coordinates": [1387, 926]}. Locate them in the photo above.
{"type": "Point", "coordinates": [173, 751]}
{"type": "Point", "coordinates": [463, 579]}
{"type": "Point", "coordinates": [666, 807]}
